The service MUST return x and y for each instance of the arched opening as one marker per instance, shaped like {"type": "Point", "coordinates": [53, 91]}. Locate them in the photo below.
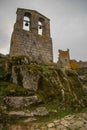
{"type": "Point", "coordinates": [40, 28]}
{"type": "Point", "coordinates": [26, 22]}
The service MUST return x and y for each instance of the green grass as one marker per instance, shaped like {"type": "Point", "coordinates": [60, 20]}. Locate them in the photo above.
{"type": "Point", "coordinates": [4, 128]}
{"type": "Point", "coordinates": [52, 116]}
{"type": "Point", "coordinates": [10, 89]}
{"type": "Point", "coordinates": [2, 60]}
{"type": "Point", "coordinates": [2, 73]}
{"type": "Point", "coordinates": [55, 111]}
{"type": "Point", "coordinates": [83, 110]}
{"type": "Point", "coordinates": [59, 114]}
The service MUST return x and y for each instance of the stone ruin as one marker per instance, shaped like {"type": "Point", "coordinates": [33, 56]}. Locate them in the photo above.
{"type": "Point", "coordinates": [31, 37]}
{"type": "Point", "coordinates": [65, 62]}
{"type": "Point", "coordinates": [64, 59]}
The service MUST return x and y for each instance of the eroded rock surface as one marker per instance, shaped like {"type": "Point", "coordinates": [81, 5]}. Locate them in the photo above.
{"type": "Point", "coordinates": [18, 102]}
{"type": "Point", "coordinates": [70, 122]}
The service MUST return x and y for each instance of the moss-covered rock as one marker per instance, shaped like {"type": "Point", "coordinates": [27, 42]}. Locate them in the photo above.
{"type": "Point", "coordinates": [55, 89]}
{"type": "Point", "coordinates": [51, 83]}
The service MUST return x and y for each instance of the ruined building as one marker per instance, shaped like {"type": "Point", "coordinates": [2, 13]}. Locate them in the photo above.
{"type": "Point", "coordinates": [64, 59]}
{"type": "Point", "coordinates": [31, 37]}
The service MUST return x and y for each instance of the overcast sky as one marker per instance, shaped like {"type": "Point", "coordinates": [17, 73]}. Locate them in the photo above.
{"type": "Point", "coordinates": [68, 23]}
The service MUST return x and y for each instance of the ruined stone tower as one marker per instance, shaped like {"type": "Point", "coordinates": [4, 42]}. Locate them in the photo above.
{"type": "Point", "coordinates": [64, 59]}
{"type": "Point", "coordinates": [31, 37]}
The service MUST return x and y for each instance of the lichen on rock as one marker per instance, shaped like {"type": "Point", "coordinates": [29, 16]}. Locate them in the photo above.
{"type": "Point", "coordinates": [43, 90]}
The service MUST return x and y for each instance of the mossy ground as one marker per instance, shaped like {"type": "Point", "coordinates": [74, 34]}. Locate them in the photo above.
{"type": "Point", "coordinates": [49, 90]}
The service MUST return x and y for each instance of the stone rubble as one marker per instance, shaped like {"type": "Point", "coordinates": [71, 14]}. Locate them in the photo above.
{"type": "Point", "coordinates": [40, 111]}
{"type": "Point", "coordinates": [70, 122]}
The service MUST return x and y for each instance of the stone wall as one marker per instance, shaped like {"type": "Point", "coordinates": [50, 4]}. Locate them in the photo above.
{"type": "Point", "coordinates": [82, 64]}
{"type": "Point", "coordinates": [29, 43]}
{"type": "Point", "coordinates": [75, 64]}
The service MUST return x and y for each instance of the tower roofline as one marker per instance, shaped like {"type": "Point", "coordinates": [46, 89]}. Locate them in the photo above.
{"type": "Point", "coordinates": [22, 9]}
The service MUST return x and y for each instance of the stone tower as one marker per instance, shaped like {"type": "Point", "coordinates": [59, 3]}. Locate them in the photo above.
{"type": "Point", "coordinates": [31, 37]}
{"type": "Point", "coordinates": [64, 59]}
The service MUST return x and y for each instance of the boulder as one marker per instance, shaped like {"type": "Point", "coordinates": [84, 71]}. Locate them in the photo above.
{"type": "Point", "coordinates": [18, 102]}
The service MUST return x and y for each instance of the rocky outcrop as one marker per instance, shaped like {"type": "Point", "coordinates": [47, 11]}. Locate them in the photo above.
{"type": "Point", "coordinates": [70, 122]}
{"type": "Point", "coordinates": [29, 80]}
{"type": "Point", "coordinates": [36, 91]}
{"type": "Point", "coordinates": [51, 82]}
{"type": "Point", "coordinates": [20, 102]}
{"type": "Point", "coordinates": [82, 72]}
{"type": "Point", "coordinates": [47, 82]}
{"type": "Point", "coordinates": [40, 111]}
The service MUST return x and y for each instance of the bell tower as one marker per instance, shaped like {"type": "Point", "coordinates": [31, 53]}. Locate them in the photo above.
{"type": "Point", "coordinates": [31, 37]}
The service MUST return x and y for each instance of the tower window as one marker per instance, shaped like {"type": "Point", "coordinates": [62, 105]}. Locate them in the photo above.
{"type": "Point", "coordinates": [40, 29]}
{"type": "Point", "coordinates": [26, 22]}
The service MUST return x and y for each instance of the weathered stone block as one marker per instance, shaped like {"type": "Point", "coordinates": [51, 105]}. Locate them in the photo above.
{"type": "Point", "coordinates": [18, 102]}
